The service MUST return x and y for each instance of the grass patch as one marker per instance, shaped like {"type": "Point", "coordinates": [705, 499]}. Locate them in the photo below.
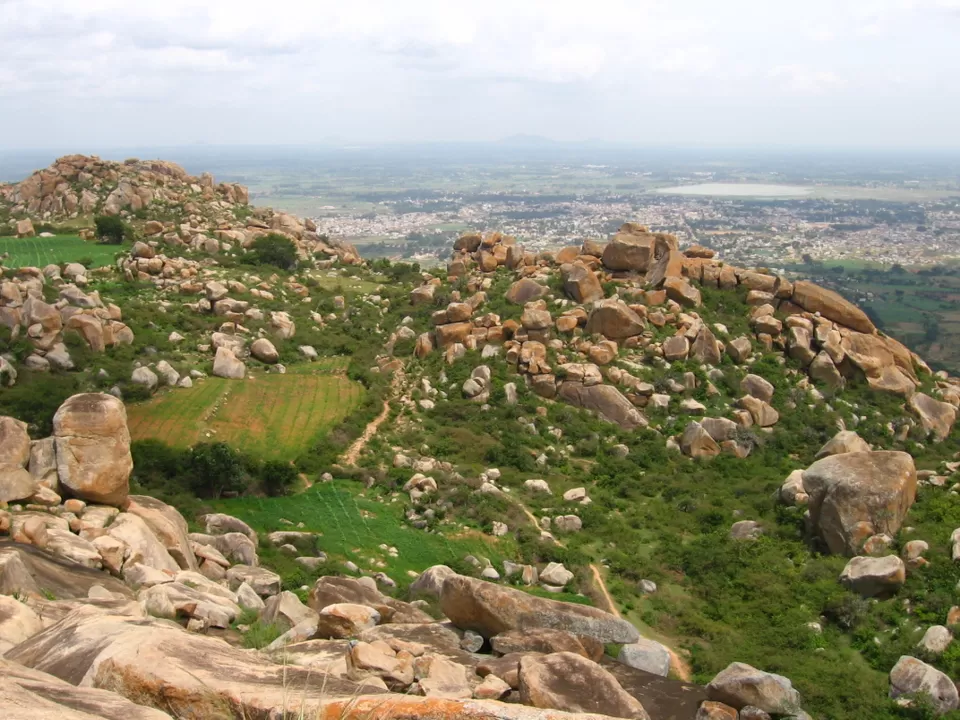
{"type": "Point", "coordinates": [38, 251]}
{"type": "Point", "coordinates": [272, 416]}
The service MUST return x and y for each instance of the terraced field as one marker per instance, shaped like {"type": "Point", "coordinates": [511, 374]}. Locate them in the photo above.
{"type": "Point", "coordinates": [38, 251]}
{"type": "Point", "coordinates": [272, 416]}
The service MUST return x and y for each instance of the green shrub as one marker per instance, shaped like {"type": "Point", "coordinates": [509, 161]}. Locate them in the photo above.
{"type": "Point", "coordinates": [274, 249]}
{"type": "Point", "coordinates": [111, 230]}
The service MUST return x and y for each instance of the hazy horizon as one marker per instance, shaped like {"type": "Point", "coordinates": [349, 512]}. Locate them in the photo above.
{"type": "Point", "coordinates": [861, 74]}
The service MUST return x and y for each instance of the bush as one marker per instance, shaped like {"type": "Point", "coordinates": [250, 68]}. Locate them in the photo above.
{"type": "Point", "coordinates": [215, 468]}
{"type": "Point", "coordinates": [274, 249]}
{"type": "Point", "coordinates": [111, 230]}
{"type": "Point", "coordinates": [277, 478]}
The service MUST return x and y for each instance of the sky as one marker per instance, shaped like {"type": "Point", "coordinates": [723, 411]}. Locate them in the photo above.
{"type": "Point", "coordinates": [787, 73]}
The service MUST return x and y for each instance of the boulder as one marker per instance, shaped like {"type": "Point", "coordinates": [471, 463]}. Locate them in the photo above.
{"type": "Point", "coordinates": [739, 685]}
{"type": "Point", "coordinates": [430, 582]}
{"type": "Point", "coordinates": [571, 682]}
{"type": "Point", "coordinates": [647, 655]}
{"type": "Point", "coordinates": [27, 694]}
{"type": "Point", "coordinates": [681, 291]}
{"type": "Point", "coordinates": [17, 622]}
{"type": "Point", "coordinates": [264, 351]}
{"type": "Point", "coordinates": [546, 641]}
{"type": "Point", "coordinates": [363, 591]}
{"type": "Point", "coordinates": [874, 576]}
{"type": "Point", "coordinates": [697, 443]}
{"type": "Point", "coordinates": [167, 525]}
{"type": "Point", "coordinates": [580, 283]}
{"type": "Point", "coordinates": [915, 677]}
{"type": "Point", "coordinates": [146, 377]}
{"type": "Point", "coordinates": [285, 610]}
{"type": "Point", "coordinates": [936, 417]}
{"type": "Point", "coordinates": [845, 441]}
{"type": "Point", "coordinates": [161, 664]}
{"type": "Point", "coordinates": [525, 290]}
{"type": "Point", "coordinates": [757, 387]}
{"type": "Point", "coordinates": [227, 365]}
{"type": "Point", "coordinates": [630, 249]}
{"type": "Point", "coordinates": [15, 482]}
{"type": "Point", "coordinates": [93, 448]}
{"type": "Point", "coordinates": [441, 678]}
{"type": "Point", "coordinates": [142, 546]}
{"type": "Point", "coordinates": [815, 299]}
{"type": "Point", "coordinates": [346, 620]}
{"type": "Point", "coordinates": [855, 495]}
{"type": "Point", "coordinates": [605, 400]}
{"type": "Point", "coordinates": [614, 320]}
{"type": "Point", "coordinates": [490, 609]}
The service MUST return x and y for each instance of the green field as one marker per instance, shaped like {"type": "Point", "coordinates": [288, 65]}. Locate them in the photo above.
{"type": "Point", "coordinates": [37, 251]}
{"type": "Point", "coordinates": [355, 522]}
{"type": "Point", "coordinates": [270, 416]}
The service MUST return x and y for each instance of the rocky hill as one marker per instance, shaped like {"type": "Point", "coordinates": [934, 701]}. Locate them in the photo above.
{"type": "Point", "coordinates": [690, 490]}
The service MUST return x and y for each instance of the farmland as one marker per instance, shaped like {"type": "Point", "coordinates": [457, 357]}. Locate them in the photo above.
{"type": "Point", "coordinates": [270, 416]}
{"type": "Point", "coordinates": [38, 251]}
{"type": "Point", "coordinates": [355, 522]}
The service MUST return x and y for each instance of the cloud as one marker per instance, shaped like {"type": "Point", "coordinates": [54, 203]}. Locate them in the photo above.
{"type": "Point", "coordinates": [295, 70]}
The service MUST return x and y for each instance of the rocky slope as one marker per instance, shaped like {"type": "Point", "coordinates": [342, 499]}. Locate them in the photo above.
{"type": "Point", "coordinates": [626, 409]}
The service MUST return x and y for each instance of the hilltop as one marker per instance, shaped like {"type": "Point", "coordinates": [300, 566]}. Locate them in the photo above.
{"type": "Point", "coordinates": [630, 478]}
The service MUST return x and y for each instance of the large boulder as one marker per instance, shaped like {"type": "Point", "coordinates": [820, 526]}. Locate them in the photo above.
{"type": "Point", "coordinates": [17, 622]}
{"type": "Point", "coordinates": [329, 591]}
{"type": "Point", "coordinates": [648, 655]}
{"type": "Point", "coordinates": [914, 677]}
{"type": "Point", "coordinates": [526, 290]}
{"type": "Point", "coordinates": [16, 483]}
{"type": "Point", "coordinates": [845, 441]}
{"type": "Point", "coordinates": [605, 400]}
{"type": "Point", "coordinates": [93, 448]}
{"type": "Point", "coordinates": [855, 495]}
{"type": "Point", "coordinates": [874, 576]}
{"type": "Point", "coordinates": [142, 546]}
{"type": "Point", "coordinates": [936, 417]}
{"type": "Point", "coordinates": [227, 365]}
{"type": "Point", "coordinates": [571, 682]}
{"type": "Point", "coordinates": [580, 283]}
{"type": "Point", "coordinates": [739, 685]}
{"type": "Point", "coordinates": [546, 641]}
{"type": "Point", "coordinates": [27, 694]}
{"type": "Point", "coordinates": [160, 664]}
{"type": "Point", "coordinates": [815, 299]}
{"type": "Point", "coordinates": [264, 351]}
{"type": "Point", "coordinates": [167, 525]}
{"type": "Point", "coordinates": [430, 582]}
{"type": "Point", "coordinates": [490, 609]}
{"type": "Point", "coordinates": [630, 249]}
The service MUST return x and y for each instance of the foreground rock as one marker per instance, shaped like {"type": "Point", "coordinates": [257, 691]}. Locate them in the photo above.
{"type": "Point", "coordinates": [567, 681]}
{"type": "Point", "coordinates": [874, 576]}
{"type": "Point", "coordinates": [740, 685]}
{"type": "Point", "coordinates": [93, 448]}
{"type": "Point", "coordinates": [159, 663]}
{"type": "Point", "coordinates": [27, 694]}
{"type": "Point", "coordinates": [855, 495]}
{"type": "Point", "coordinates": [914, 677]}
{"type": "Point", "coordinates": [490, 609]}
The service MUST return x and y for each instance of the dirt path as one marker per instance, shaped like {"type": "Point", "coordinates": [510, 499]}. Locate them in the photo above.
{"type": "Point", "coordinates": [352, 454]}
{"type": "Point", "coordinates": [602, 587]}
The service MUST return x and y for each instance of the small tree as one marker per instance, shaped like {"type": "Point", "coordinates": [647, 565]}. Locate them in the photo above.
{"type": "Point", "coordinates": [214, 469]}
{"type": "Point", "coordinates": [274, 249]}
{"type": "Point", "coordinates": [277, 477]}
{"type": "Point", "coordinates": [111, 230]}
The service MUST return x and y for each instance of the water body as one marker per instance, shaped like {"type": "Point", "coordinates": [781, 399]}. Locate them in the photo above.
{"type": "Point", "coordinates": [738, 190]}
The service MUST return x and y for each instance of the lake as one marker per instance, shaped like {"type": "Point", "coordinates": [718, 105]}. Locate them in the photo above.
{"type": "Point", "coordinates": [738, 190]}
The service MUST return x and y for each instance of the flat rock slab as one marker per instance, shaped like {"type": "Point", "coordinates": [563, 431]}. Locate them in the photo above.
{"type": "Point", "coordinates": [158, 662]}
{"type": "Point", "coordinates": [65, 580]}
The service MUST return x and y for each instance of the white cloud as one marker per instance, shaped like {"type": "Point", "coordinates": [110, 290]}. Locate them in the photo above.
{"type": "Point", "coordinates": [297, 70]}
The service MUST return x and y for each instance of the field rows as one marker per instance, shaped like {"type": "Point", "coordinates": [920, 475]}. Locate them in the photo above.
{"type": "Point", "coordinates": [38, 252]}
{"type": "Point", "coordinates": [272, 416]}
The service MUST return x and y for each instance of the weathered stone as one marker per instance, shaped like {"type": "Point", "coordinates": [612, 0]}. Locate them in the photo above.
{"type": "Point", "coordinates": [525, 290]}
{"type": "Point", "coordinates": [697, 443]}
{"type": "Point", "coordinates": [855, 495]}
{"type": "Point", "coordinates": [93, 448]}
{"type": "Point", "coordinates": [614, 320]}
{"type": "Point", "coordinates": [815, 299]}
{"type": "Point", "coordinates": [914, 677]}
{"type": "Point", "coordinates": [580, 283]}
{"type": "Point", "coordinates": [647, 655]}
{"type": "Point", "coordinates": [739, 685]}
{"type": "Point", "coordinates": [844, 441]}
{"type": "Point", "coordinates": [264, 351]}
{"type": "Point", "coordinates": [570, 682]}
{"type": "Point", "coordinates": [227, 365]}
{"type": "Point", "coordinates": [546, 640]}
{"type": "Point", "coordinates": [936, 417]}
{"type": "Point", "coordinates": [491, 609]}
{"type": "Point", "coordinates": [874, 576]}
{"type": "Point", "coordinates": [605, 400]}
